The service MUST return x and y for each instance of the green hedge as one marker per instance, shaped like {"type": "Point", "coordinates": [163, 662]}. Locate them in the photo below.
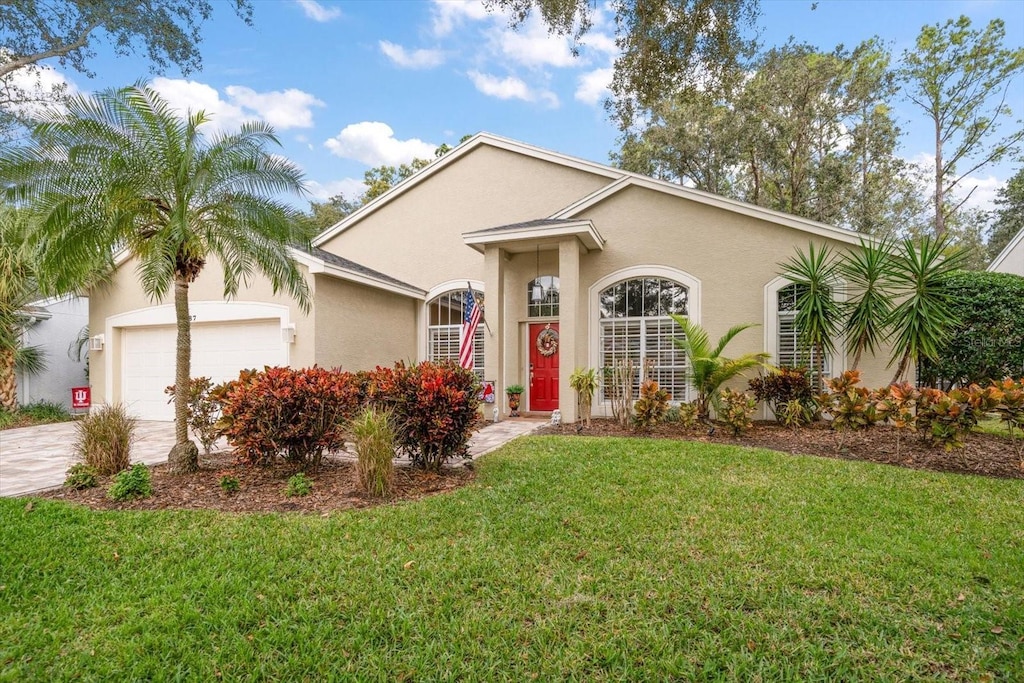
{"type": "Point", "coordinates": [988, 344]}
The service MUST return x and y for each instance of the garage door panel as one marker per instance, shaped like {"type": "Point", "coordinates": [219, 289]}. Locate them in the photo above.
{"type": "Point", "coordinates": [219, 351]}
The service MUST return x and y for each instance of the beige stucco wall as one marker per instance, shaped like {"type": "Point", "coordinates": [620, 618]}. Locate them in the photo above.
{"type": "Point", "coordinates": [360, 327]}
{"type": "Point", "coordinates": [1013, 262]}
{"type": "Point", "coordinates": [124, 294]}
{"type": "Point", "coordinates": [418, 237]}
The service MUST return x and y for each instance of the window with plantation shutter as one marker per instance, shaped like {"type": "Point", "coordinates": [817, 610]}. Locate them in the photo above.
{"type": "Point", "coordinates": [444, 328]}
{"type": "Point", "coordinates": [635, 325]}
{"type": "Point", "coordinates": [790, 352]}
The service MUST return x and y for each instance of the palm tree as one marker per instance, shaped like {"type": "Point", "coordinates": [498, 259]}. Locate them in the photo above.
{"type": "Point", "coordinates": [709, 369]}
{"type": "Point", "coordinates": [922, 320]}
{"type": "Point", "coordinates": [818, 313]}
{"type": "Point", "coordinates": [122, 170]}
{"type": "Point", "coordinates": [18, 287]}
{"type": "Point", "coordinates": [868, 270]}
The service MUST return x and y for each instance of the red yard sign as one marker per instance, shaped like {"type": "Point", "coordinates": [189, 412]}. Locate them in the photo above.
{"type": "Point", "coordinates": [81, 397]}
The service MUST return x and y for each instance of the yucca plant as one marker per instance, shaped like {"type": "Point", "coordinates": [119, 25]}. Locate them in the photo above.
{"type": "Point", "coordinates": [923, 318]}
{"type": "Point", "coordinates": [819, 315]}
{"type": "Point", "coordinates": [868, 272]}
{"type": "Point", "coordinates": [709, 369]}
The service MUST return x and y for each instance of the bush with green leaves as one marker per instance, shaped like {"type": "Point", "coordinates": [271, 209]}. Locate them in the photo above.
{"type": "Point", "coordinates": [299, 485]}
{"type": "Point", "coordinates": [45, 411]}
{"type": "Point", "coordinates": [203, 410]}
{"type": "Point", "coordinates": [988, 344]}
{"type": "Point", "coordinates": [651, 407]}
{"type": "Point", "coordinates": [131, 484]}
{"type": "Point", "coordinates": [104, 439]}
{"type": "Point", "coordinates": [1011, 411]}
{"type": "Point", "coordinates": [374, 439]}
{"type": "Point", "coordinates": [7, 418]}
{"type": "Point", "coordinates": [735, 409]}
{"type": "Point", "coordinates": [584, 382]}
{"type": "Point", "coordinates": [81, 476]}
{"type": "Point", "coordinates": [229, 483]}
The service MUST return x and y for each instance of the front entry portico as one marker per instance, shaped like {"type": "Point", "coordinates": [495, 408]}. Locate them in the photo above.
{"type": "Point", "coordinates": [555, 347]}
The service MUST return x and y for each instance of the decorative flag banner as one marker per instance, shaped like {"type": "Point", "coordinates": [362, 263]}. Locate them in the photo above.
{"type": "Point", "coordinates": [470, 320]}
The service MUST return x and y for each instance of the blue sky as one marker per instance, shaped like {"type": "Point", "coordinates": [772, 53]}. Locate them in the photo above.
{"type": "Point", "coordinates": [350, 85]}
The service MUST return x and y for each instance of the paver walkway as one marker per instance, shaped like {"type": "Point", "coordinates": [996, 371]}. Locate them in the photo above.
{"type": "Point", "coordinates": [37, 458]}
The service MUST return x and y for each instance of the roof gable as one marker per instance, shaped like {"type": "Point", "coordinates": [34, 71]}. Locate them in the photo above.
{"type": "Point", "coordinates": [1013, 244]}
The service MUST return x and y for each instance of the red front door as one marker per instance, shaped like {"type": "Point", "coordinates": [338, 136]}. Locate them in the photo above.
{"type": "Point", "coordinates": [544, 366]}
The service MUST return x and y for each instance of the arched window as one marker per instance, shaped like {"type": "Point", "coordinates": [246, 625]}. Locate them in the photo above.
{"type": "Point", "coordinates": [542, 296]}
{"type": "Point", "coordinates": [635, 325]}
{"type": "Point", "coordinates": [790, 351]}
{"type": "Point", "coordinates": [444, 329]}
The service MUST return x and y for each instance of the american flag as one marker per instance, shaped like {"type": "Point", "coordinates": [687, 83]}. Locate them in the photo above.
{"type": "Point", "coordinates": [470, 319]}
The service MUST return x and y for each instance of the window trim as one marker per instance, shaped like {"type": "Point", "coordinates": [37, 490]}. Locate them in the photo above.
{"type": "Point", "coordinates": [423, 323]}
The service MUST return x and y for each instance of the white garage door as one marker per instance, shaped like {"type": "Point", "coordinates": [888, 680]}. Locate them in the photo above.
{"type": "Point", "coordinates": [219, 351]}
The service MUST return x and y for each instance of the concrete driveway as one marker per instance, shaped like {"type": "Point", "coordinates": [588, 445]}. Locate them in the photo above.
{"type": "Point", "coordinates": [37, 458]}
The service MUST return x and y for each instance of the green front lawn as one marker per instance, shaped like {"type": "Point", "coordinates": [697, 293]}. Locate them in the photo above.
{"type": "Point", "coordinates": [606, 559]}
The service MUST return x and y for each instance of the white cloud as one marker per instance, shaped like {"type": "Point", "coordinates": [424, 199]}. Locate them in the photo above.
{"type": "Point", "coordinates": [411, 59]}
{"type": "Point", "coordinates": [351, 188]}
{"type": "Point", "coordinates": [282, 109]}
{"type": "Point", "coordinates": [511, 88]}
{"type": "Point", "coordinates": [34, 88]}
{"type": "Point", "coordinates": [450, 14]}
{"type": "Point", "coordinates": [532, 45]}
{"type": "Point", "coordinates": [594, 86]}
{"type": "Point", "coordinates": [984, 191]}
{"type": "Point", "coordinates": [373, 143]}
{"type": "Point", "coordinates": [317, 12]}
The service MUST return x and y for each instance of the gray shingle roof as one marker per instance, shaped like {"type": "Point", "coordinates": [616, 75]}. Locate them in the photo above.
{"type": "Point", "coordinates": [341, 262]}
{"type": "Point", "coordinates": [537, 223]}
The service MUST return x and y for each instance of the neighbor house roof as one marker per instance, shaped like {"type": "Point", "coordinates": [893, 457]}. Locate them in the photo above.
{"type": "Point", "coordinates": [998, 260]}
{"type": "Point", "coordinates": [618, 181]}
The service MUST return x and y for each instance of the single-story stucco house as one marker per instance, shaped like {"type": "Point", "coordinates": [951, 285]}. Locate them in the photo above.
{"type": "Point", "coordinates": [1011, 258]}
{"type": "Point", "coordinates": [598, 255]}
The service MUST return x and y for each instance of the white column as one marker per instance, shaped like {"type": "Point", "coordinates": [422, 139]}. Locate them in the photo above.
{"type": "Point", "coordinates": [569, 323]}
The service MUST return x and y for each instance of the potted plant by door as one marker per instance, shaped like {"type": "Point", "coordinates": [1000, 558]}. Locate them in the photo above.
{"type": "Point", "coordinates": [514, 391]}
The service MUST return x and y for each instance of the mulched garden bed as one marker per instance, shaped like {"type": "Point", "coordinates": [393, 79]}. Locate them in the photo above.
{"type": "Point", "coordinates": [262, 489]}
{"type": "Point", "coordinates": [983, 454]}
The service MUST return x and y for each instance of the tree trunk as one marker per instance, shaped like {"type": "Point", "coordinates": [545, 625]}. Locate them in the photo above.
{"type": "Point", "coordinates": [940, 219]}
{"type": "Point", "coordinates": [184, 456]}
{"type": "Point", "coordinates": [901, 369]}
{"type": "Point", "coordinates": [8, 382]}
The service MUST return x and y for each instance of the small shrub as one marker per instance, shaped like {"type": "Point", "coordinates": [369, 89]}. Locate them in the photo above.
{"type": "Point", "coordinates": [45, 411]}
{"type": "Point", "coordinates": [81, 476]}
{"type": "Point", "coordinates": [229, 483]}
{"type": "Point", "coordinates": [1011, 411]}
{"type": "Point", "coordinates": [284, 412]}
{"type": "Point", "coordinates": [779, 388]}
{"type": "Point", "coordinates": [203, 410]}
{"type": "Point", "coordinates": [131, 483]}
{"type": "Point", "coordinates": [651, 407]}
{"type": "Point", "coordinates": [735, 409]}
{"type": "Point", "coordinates": [796, 413]}
{"type": "Point", "coordinates": [6, 418]}
{"type": "Point", "coordinates": [299, 485]}
{"type": "Point", "coordinates": [104, 439]}
{"type": "Point", "coordinates": [375, 446]}
{"type": "Point", "coordinates": [435, 409]}
{"type": "Point", "coordinates": [688, 415]}
{"type": "Point", "coordinates": [898, 404]}
{"type": "Point", "coordinates": [851, 407]}
{"type": "Point", "coordinates": [948, 418]}
{"type": "Point", "coordinates": [584, 383]}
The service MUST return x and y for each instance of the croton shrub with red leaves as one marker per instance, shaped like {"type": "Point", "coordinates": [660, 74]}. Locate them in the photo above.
{"type": "Point", "coordinates": [434, 407]}
{"type": "Point", "coordinates": [301, 414]}
{"type": "Point", "coordinates": [295, 414]}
